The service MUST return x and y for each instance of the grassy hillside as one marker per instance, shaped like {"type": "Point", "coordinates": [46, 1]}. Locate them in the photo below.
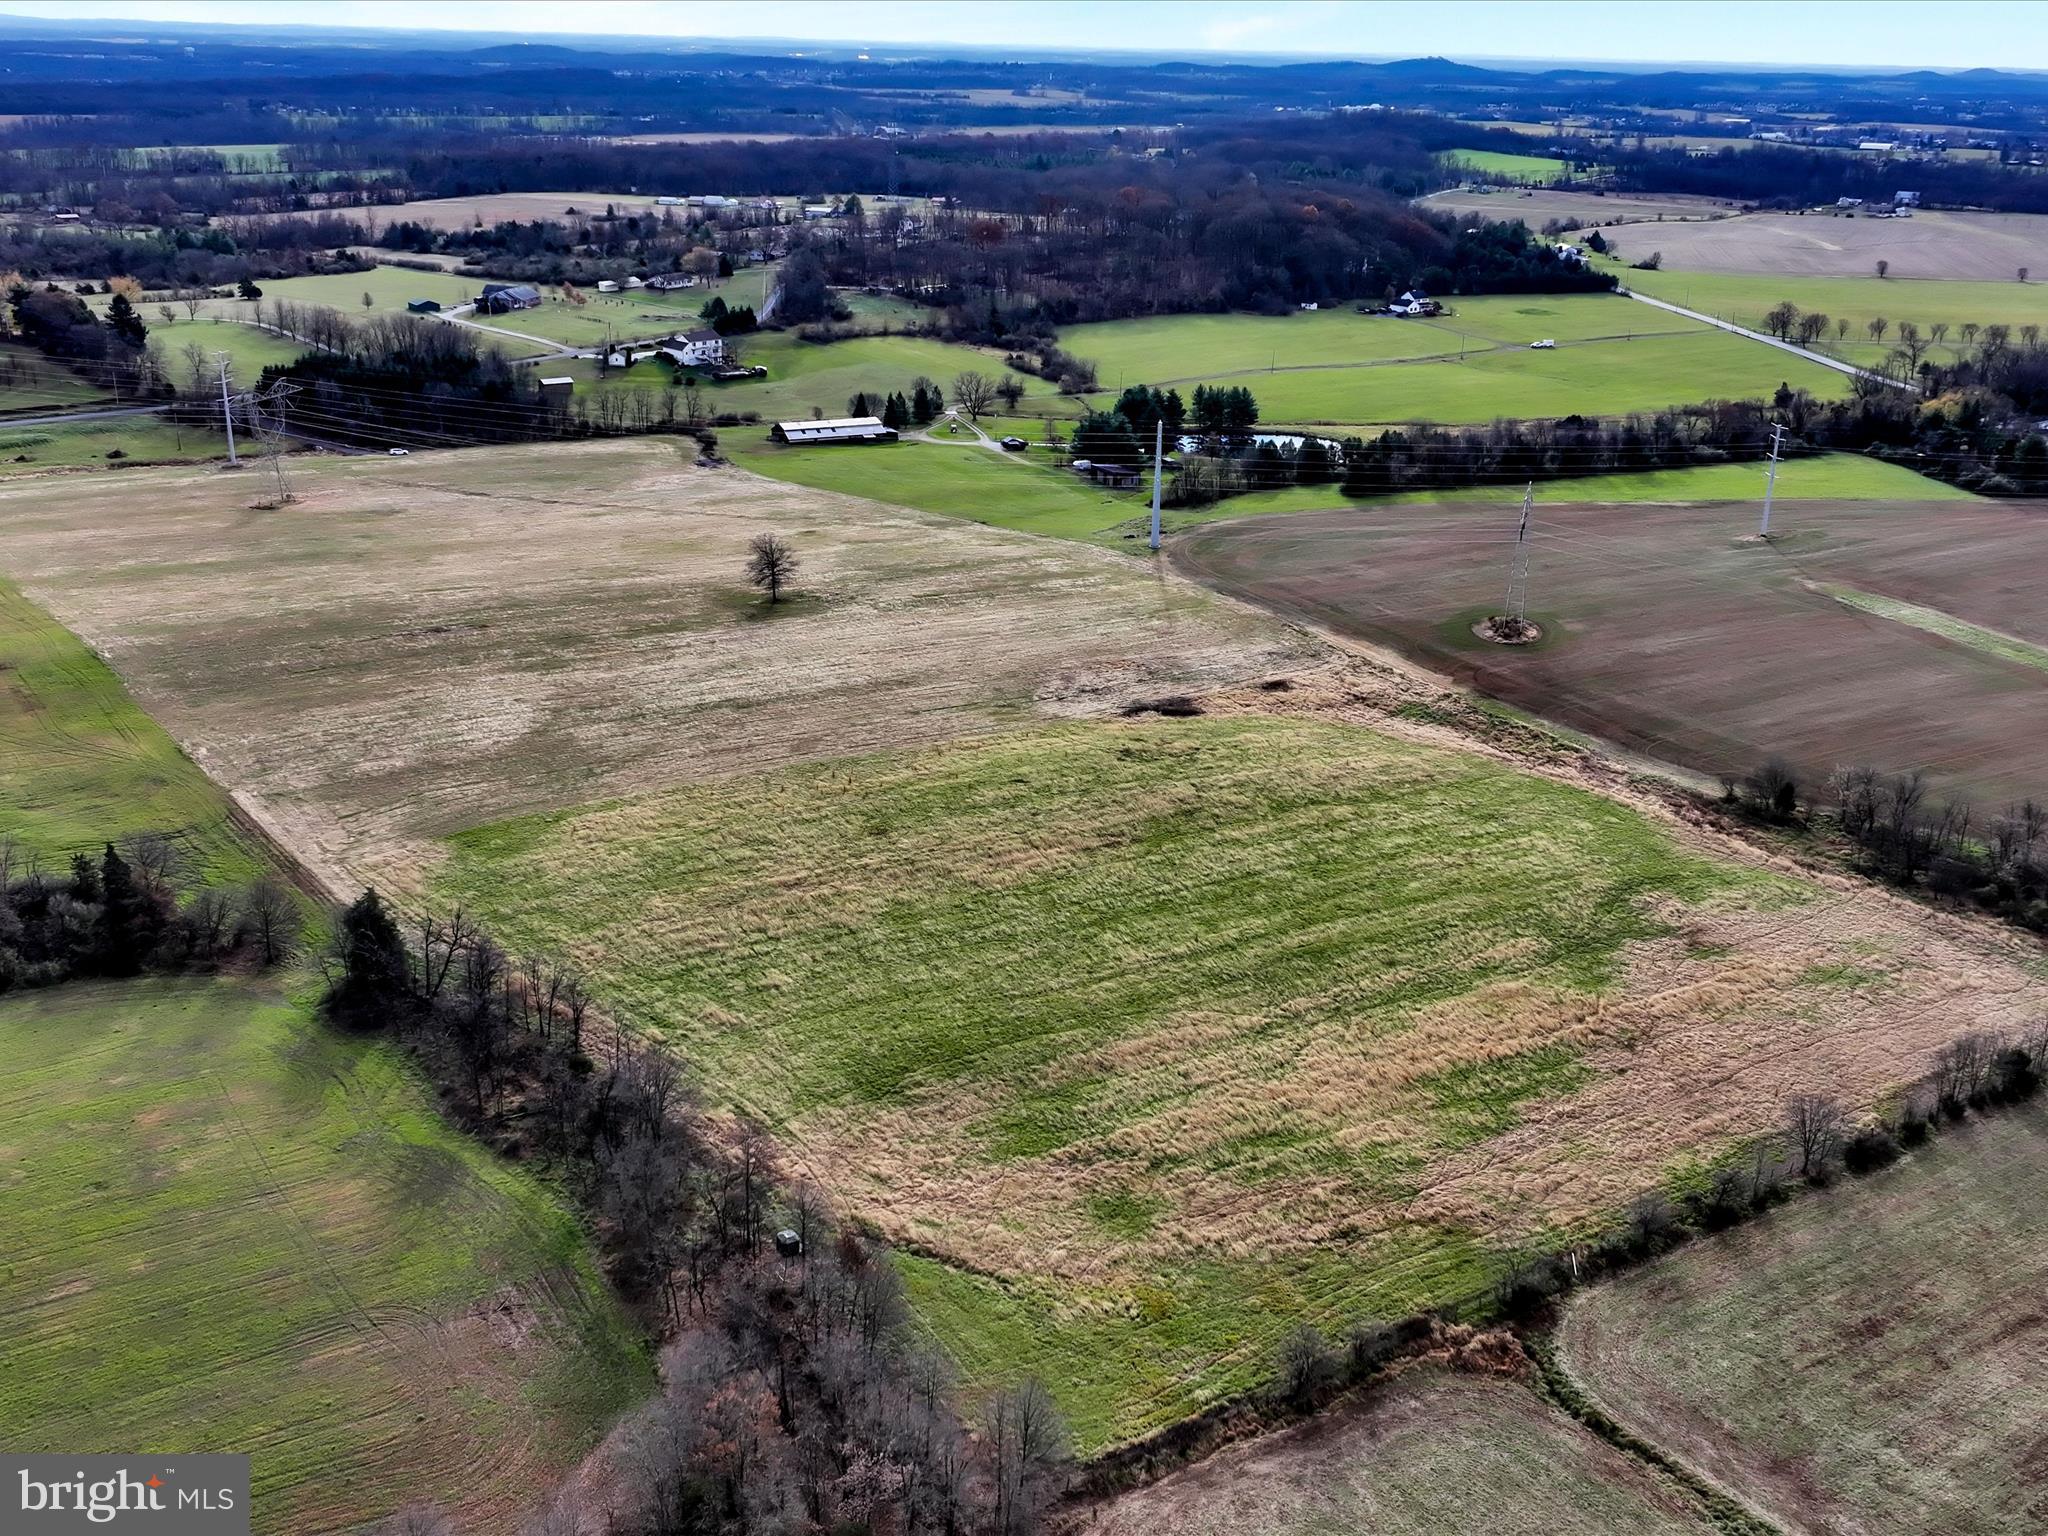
{"type": "Point", "coordinates": [236, 1229]}
{"type": "Point", "coordinates": [80, 763]}
{"type": "Point", "coordinates": [1150, 1038]}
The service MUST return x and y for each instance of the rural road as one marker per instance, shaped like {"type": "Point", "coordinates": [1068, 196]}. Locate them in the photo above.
{"type": "Point", "coordinates": [1770, 341]}
{"type": "Point", "coordinates": [65, 418]}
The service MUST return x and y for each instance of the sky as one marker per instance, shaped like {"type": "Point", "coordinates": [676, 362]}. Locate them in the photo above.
{"type": "Point", "coordinates": [1940, 34]}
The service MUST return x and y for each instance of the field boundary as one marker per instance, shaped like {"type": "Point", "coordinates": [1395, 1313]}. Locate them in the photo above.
{"type": "Point", "coordinates": [1770, 341]}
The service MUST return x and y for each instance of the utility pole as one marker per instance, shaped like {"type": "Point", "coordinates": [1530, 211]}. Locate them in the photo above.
{"type": "Point", "coordinates": [227, 410]}
{"type": "Point", "coordinates": [1771, 479]}
{"type": "Point", "coordinates": [1518, 568]}
{"type": "Point", "coordinates": [1158, 470]}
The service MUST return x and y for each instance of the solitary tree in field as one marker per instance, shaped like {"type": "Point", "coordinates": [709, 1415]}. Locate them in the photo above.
{"type": "Point", "coordinates": [1877, 327]}
{"type": "Point", "coordinates": [2023, 274]}
{"type": "Point", "coordinates": [1841, 327]}
{"type": "Point", "coordinates": [1883, 267]}
{"type": "Point", "coordinates": [974, 393]}
{"type": "Point", "coordinates": [368, 302]}
{"type": "Point", "coordinates": [771, 565]}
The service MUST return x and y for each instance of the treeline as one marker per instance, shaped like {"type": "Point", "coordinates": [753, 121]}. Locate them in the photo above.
{"type": "Point", "coordinates": [794, 1396]}
{"type": "Point", "coordinates": [121, 914]}
{"type": "Point", "coordinates": [177, 258]}
{"type": "Point", "coordinates": [1900, 832]}
{"type": "Point", "coordinates": [1805, 178]}
{"type": "Point", "coordinates": [112, 351]}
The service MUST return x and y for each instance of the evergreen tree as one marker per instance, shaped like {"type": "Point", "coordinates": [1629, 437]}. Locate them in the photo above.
{"type": "Point", "coordinates": [1175, 411]}
{"type": "Point", "coordinates": [920, 404]}
{"type": "Point", "coordinates": [896, 413]}
{"type": "Point", "coordinates": [858, 405]}
{"type": "Point", "coordinates": [1314, 464]}
{"type": "Point", "coordinates": [1105, 437]}
{"type": "Point", "coordinates": [375, 977]}
{"type": "Point", "coordinates": [85, 879]}
{"type": "Point", "coordinates": [125, 935]}
{"type": "Point", "coordinates": [125, 323]}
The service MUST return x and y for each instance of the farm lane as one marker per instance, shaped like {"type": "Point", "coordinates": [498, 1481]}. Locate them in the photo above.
{"type": "Point", "coordinates": [1770, 341]}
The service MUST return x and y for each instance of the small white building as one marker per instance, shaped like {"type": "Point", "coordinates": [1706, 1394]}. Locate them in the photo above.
{"type": "Point", "coordinates": [606, 285]}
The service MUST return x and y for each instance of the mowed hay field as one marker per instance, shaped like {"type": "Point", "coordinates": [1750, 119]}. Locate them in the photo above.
{"type": "Point", "coordinates": [231, 1228]}
{"type": "Point", "coordinates": [1903, 635]}
{"type": "Point", "coordinates": [1148, 1039]}
{"type": "Point", "coordinates": [1985, 247]}
{"type": "Point", "coordinates": [1873, 1359]}
{"type": "Point", "coordinates": [1340, 368]}
{"type": "Point", "coordinates": [417, 645]}
{"type": "Point", "coordinates": [1428, 1453]}
{"type": "Point", "coordinates": [1537, 206]}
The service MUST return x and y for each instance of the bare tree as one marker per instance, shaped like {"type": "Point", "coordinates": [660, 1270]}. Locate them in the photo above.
{"type": "Point", "coordinates": [192, 299]}
{"type": "Point", "coordinates": [1938, 332]}
{"type": "Point", "coordinates": [1841, 327]}
{"type": "Point", "coordinates": [270, 919]}
{"type": "Point", "coordinates": [1813, 1121]}
{"type": "Point", "coordinates": [1027, 1443]}
{"type": "Point", "coordinates": [1912, 344]}
{"type": "Point", "coordinates": [771, 565]}
{"type": "Point", "coordinates": [416, 1520]}
{"type": "Point", "coordinates": [974, 393]}
{"type": "Point", "coordinates": [1883, 267]}
{"type": "Point", "coordinates": [1876, 327]}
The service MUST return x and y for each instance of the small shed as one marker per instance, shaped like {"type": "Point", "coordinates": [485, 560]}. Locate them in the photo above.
{"type": "Point", "coordinates": [789, 1243]}
{"type": "Point", "coordinates": [423, 306]}
{"type": "Point", "coordinates": [556, 391]}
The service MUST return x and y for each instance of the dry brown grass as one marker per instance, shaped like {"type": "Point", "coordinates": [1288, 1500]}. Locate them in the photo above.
{"type": "Point", "coordinates": [418, 645]}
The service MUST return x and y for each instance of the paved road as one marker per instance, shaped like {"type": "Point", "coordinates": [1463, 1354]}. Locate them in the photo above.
{"type": "Point", "coordinates": [1770, 341]}
{"type": "Point", "coordinates": [65, 418]}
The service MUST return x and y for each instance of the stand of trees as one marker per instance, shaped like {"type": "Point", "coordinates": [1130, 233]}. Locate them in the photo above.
{"type": "Point", "coordinates": [794, 1395]}
{"type": "Point", "coordinates": [121, 913]}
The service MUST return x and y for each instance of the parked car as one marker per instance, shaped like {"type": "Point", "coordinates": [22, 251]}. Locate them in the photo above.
{"type": "Point", "coordinates": [398, 453]}
{"type": "Point", "coordinates": [1542, 346]}
{"type": "Point", "coordinates": [1015, 444]}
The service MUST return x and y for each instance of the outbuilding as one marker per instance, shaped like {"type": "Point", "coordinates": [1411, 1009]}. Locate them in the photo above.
{"type": "Point", "coordinates": [503, 298]}
{"type": "Point", "coordinates": [556, 391]}
{"type": "Point", "coordinates": [842, 429]}
{"type": "Point", "coordinates": [423, 306]}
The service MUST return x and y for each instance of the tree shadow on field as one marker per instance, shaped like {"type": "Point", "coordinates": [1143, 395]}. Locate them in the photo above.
{"type": "Point", "coordinates": [752, 608]}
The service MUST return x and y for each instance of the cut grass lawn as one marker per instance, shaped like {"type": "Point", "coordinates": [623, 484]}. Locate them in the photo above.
{"type": "Point", "coordinates": [249, 350]}
{"type": "Point", "coordinates": [636, 313]}
{"type": "Point", "coordinates": [1424, 1455]}
{"type": "Point", "coordinates": [1003, 490]}
{"type": "Point", "coordinates": [1872, 1359]}
{"type": "Point", "coordinates": [231, 1228]}
{"type": "Point", "coordinates": [80, 764]}
{"type": "Point", "coordinates": [1151, 1039]}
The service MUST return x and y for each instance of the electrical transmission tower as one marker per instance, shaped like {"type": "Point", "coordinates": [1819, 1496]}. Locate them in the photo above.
{"type": "Point", "coordinates": [1771, 480]}
{"type": "Point", "coordinates": [270, 432]}
{"type": "Point", "coordinates": [1518, 566]}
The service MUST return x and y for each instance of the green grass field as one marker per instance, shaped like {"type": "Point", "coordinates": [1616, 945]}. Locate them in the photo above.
{"type": "Point", "coordinates": [1171, 348]}
{"type": "Point", "coordinates": [627, 315]}
{"type": "Point", "coordinates": [249, 349]}
{"type": "Point", "coordinates": [1007, 491]}
{"type": "Point", "coordinates": [1746, 298]}
{"type": "Point", "coordinates": [1536, 169]}
{"type": "Point", "coordinates": [1146, 1039]}
{"type": "Point", "coordinates": [1870, 1359]}
{"type": "Point", "coordinates": [86, 444]}
{"type": "Point", "coordinates": [233, 1229]}
{"type": "Point", "coordinates": [82, 764]}
{"type": "Point", "coordinates": [30, 382]}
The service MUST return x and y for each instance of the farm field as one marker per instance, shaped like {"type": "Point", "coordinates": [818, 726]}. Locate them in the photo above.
{"type": "Point", "coordinates": [1537, 206]}
{"type": "Point", "coordinates": [1497, 162]}
{"type": "Point", "coordinates": [1180, 348]}
{"type": "Point", "coordinates": [1674, 634]}
{"type": "Point", "coordinates": [625, 316]}
{"type": "Point", "coordinates": [1150, 1038]}
{"type": "Point", "coordinates": [1594, 378]}
{"type": "Point", "coordinates": [1871, 1359]}
{"type": "Point", "coordinates": [1986, 247]}
{"type": "Point", "coordinates": [1746, 298]}
{"type": "Point", "coordinates": [518, 628]}
{"type": "Point", "coordinates": [1428, 1453]}
{"type": "Point", "coordinates": [491, 208]}
{"type": "Point", "coordinates": [231, 1226]}
{"type": "Point", "coordinates": [32, 451]}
